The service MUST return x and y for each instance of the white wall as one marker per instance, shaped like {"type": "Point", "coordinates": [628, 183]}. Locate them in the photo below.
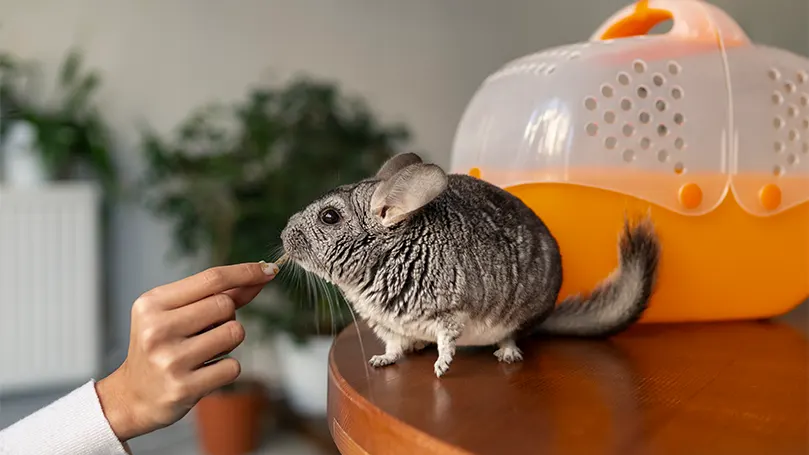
{"type": "Point", "coordinates": [418, 61]}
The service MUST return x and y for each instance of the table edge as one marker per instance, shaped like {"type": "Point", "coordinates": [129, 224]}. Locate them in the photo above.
{"type": "Point", "coordinates": [344, 407]}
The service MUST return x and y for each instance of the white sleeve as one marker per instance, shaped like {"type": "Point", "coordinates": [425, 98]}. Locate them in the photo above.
{"type": "Point", "coordinates": [71, 425]}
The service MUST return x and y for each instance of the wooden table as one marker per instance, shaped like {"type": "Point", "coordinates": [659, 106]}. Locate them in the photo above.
{"type": "Point", "coordinates": [729, 388]}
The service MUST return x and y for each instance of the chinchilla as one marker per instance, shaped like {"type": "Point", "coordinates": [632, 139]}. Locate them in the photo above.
{"type": "Point", "coordinates": [425, 257]}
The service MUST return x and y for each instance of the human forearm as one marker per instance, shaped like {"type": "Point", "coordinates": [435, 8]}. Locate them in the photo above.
{"type": "Point", "coordinates": [73, 425]}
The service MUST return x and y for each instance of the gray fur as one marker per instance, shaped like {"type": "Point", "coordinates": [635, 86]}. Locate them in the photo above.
{"type": "Point", "coordinates": [425, 257]}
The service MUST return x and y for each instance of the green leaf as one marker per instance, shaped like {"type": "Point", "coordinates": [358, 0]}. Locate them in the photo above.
{"type": "Point", "coordinates": [70, 68]}
{"type": "Point", "coordinates": [78, 99]}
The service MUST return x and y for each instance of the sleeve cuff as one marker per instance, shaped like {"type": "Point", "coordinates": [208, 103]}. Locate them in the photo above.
{"type": "Point", "coordinates": [72, 425]}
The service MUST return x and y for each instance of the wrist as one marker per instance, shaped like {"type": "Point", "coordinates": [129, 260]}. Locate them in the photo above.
{"type": "Point", "coordinates": [118, 410]}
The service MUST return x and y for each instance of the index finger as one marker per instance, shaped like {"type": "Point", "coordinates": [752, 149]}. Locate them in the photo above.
{"type": "Point", "coordinates": [212, 281]}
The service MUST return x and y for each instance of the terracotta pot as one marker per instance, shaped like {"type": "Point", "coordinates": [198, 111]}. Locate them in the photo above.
{"type": "Point", "coordinates": [230, 422]}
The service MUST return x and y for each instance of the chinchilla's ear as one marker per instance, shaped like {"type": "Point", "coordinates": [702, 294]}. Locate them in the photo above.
{"type": "Point", "coordinates": [407, 191]}
{"type": "Point", "coordinates": [396, 164]}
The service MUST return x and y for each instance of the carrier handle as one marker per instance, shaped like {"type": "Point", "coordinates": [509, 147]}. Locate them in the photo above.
{"type": "Point", "coordinates": [692, 20]}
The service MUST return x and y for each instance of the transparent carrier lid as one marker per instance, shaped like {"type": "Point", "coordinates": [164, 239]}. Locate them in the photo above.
{"type": "Point", "coordinates": [682, 119]}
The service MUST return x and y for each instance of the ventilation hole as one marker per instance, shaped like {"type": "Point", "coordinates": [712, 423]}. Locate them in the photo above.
{"type": "Point", "coordinates": [793, 111]}
{"type": "Point", "coordinates": [628, 155]}
{"type": "Point", "coordinates": [643, 92]}
{"type": "Point", "coordinates": [777, 171]}
{"type": "Point", "coordinates": [789, 87]}
{"type": "Point", "coordinates": [662, 130]}
{"type": "Point", "coordinates": [610, 142]}
{"type": "Point", "coordinates": [606, 90]}
{"type": "Point", "coordinates": [773, 74]}
{"type": "Point", "coordinates": [778, 123]}
{"type": "Point", "coordinates": [660, 105]}
{"type": "Point", "coordinates": [676, 93]}
{"type": "Point", "coordinates": [674, 68]}
{"type": "Point", "coordinates": [679, 119]}
{"type": "Point", "coordinates": [590, 103]}
{"type": "Point", "coordinates": [804, 100]}
{"type": "Point", "coordinates": [628, 130]}
{"type": "Point", "coordinates": [658, 80]}
{"type": "Point", "coordinates": [679, 143]}
{"type": "Point", "coordinates": [802, 77]}
{"type": "Point", "coordinates": [778, 146]}
{"type": "Point", "coordinates": [806, 147]}
{"type": "Point", "coordinates": [609, 117]}
{"type": "Point", "coordinates": [550, 69]}
{"type": "Point", "coordinates": [792, 159]}
{"type": "Point", "coordinates": [663, 156]}
{"type": "Point", "coordinates": [574, 55]}
{"type": "Point", "coordinates": [592, 129]}
{"type": "Point", "coordinates": [679, 168]}
{"type": "Point", "coordinates": [626, 104]}
{"type": "Point", "coordinates": [776, 98]}
{"type": "Point", "coordinates": [623, 78]}
{"type": "Point", "coordinates": [793, 135]}
{"type": "Point", "coordinates": [639, 66]}
{"type": "Point", "coordinates": [805, 124]}
{"type": "Point", "coordinates": [645, 117]}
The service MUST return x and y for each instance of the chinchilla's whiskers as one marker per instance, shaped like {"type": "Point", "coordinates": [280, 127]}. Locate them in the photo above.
{"type": "Point", "coordinates": [294, 277]}
{"type": "Point", "coordinates": [334, 294]}
{"type": "Point", "coordinates": [328, 296]}
{"type": "Point", "coordinates": [311, 295]}
{"type": "Point", "coordinates": [331, 307]}
{"type": "Point", "coordinates": [295, 273]}
{"type": "Point", "coordinates": [333, 301]}
{"type": "Point", "coordinates": [277, 251]}
{"type": "Point", "coordinates": [316, 294]}
{"type": "Point", "coordinates": [362, 351]}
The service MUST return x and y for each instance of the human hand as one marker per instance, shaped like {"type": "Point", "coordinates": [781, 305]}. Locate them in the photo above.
{"type": "Point", "coordinates": [165, 373]}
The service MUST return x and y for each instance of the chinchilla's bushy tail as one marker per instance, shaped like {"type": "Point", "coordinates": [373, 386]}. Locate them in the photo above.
{"type": "Point", "coordinates": [619, 300]}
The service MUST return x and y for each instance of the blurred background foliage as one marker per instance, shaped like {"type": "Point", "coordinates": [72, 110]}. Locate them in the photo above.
{"type": "Point", "coordinates": [230, 177]}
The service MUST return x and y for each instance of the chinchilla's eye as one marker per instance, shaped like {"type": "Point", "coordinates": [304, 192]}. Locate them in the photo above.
{"type": "Point", "coordinates": [329, 216]}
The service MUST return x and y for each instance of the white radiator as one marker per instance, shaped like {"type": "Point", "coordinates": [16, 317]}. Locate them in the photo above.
{"type": "Point", "coordinates": [50, 286]}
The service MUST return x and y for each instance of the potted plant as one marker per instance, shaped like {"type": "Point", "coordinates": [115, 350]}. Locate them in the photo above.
{"type": "Point", "coordinates": [231, 176]}
{"type": "Point", "coordinates": [68, 132]}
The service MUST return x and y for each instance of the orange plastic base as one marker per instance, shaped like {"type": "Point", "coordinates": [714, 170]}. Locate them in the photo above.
{"type": "Point", "coordinates": [725, 265]}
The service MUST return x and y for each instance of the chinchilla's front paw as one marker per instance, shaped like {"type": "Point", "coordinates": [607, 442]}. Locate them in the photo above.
{"type": "Point", "coordinates": [442, 365]}
{"type": "Point", "coordinates": [383, 360]}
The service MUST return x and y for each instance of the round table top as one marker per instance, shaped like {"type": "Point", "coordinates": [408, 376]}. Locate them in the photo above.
{"type": "Point", "coordinates": [725, 388]}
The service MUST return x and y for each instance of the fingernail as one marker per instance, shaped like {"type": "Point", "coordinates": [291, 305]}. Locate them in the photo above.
{"type": "Point", "coordinates": [268, 269]}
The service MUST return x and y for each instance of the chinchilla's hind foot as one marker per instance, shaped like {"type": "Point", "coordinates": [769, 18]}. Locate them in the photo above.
{"type": "Point", "coordinates": [508, 352]}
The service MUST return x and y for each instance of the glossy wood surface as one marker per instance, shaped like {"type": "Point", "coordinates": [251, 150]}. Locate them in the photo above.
{"type": "Point", "coordinates": [729, 388]}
